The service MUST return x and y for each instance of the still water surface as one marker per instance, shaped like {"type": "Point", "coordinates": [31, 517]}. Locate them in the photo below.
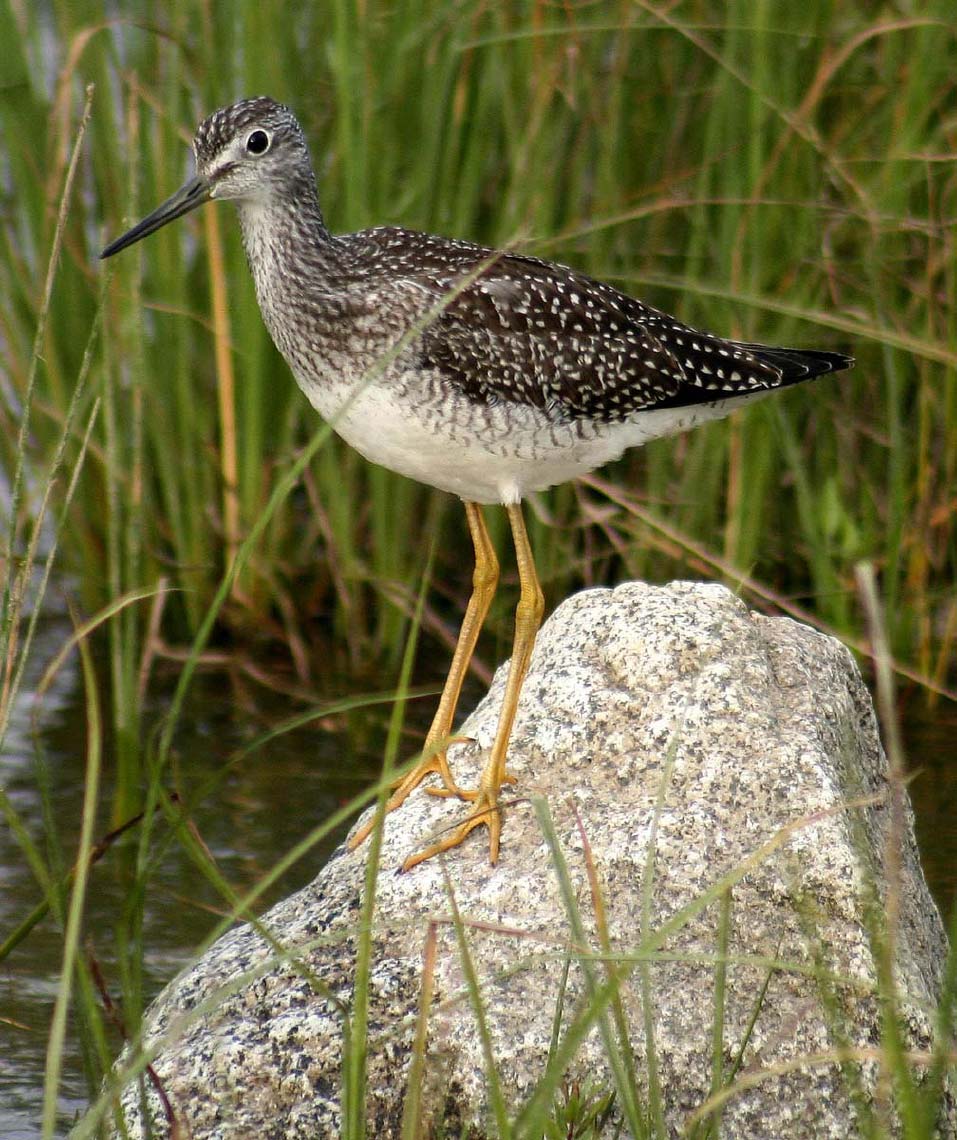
{"type": "Point", "coordinates": [265, 806]}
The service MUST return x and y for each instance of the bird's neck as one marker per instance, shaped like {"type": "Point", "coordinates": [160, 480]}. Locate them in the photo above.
{"type": "Point", "coordinates": [293, 258]}
{"type": "Point", "coordinates": [277, 227]}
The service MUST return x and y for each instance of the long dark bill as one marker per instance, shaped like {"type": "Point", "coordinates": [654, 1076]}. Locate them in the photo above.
{"type": "Point", "coordinates": [187, 198]}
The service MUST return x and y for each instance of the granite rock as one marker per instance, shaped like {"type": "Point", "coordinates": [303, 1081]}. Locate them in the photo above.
{"type": "Point", "coordinates": [745, 750]}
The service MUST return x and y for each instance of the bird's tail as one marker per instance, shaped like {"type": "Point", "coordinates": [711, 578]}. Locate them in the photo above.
{"type": "Point", "coordinates": [799, 364]}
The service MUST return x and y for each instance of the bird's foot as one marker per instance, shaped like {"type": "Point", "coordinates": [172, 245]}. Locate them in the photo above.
{"type": "Point", "coordinates": [485, 811]}
{"type": "Point", "coordinates": [434, 760]}
{"type": "Point", "coordinates": [451, 788]}
{"type": "Point", "coordinates": [475, 794]}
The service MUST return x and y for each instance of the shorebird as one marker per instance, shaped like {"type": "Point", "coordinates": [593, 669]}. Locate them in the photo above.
{"type": "Point", "coordinates": [481, 372]}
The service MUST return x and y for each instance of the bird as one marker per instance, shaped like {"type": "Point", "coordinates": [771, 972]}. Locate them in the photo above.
{"type": "Point", "coordinates": [482, 372]}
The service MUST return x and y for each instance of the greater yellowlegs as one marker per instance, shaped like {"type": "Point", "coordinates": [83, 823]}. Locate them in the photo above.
{"type": "Point", "coordinates": [481, 372]}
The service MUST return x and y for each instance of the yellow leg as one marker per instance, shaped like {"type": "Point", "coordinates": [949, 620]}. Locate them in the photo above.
{"type": "Point", "coordinates": [528, 618]}
{"type": "Point", "coordinates": [484, 583]}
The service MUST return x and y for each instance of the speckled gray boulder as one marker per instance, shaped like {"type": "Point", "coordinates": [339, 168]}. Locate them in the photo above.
{"type": "Point", "coordinates": [668, 714]}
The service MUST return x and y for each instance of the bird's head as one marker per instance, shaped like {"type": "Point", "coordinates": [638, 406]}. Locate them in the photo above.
{"type": "Point", "coordinates": [246, 152]}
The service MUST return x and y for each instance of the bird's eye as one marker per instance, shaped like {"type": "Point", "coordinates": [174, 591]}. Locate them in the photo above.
{"type": "Point", "coordinates": [258, 142]}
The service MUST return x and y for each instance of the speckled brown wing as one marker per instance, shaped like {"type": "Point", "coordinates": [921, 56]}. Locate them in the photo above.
{"type": "Point", "coordinates": [526, 331]}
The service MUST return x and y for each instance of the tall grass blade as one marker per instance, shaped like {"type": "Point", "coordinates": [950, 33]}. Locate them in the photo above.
{"type": "Point", "coordinates": [617, 1051]}
{"type": "Point", "coordinates": [412, 1122]}
{"type": "Point", "coordinates": [356, 1025]}
{"type": "Point", "coordinates": [495, 1095]}
{"type": "Point", "coordinates": [72, 931]}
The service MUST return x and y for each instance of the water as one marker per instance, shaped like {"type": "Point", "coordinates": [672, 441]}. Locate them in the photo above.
{"type": "Point", "coordinates": [266, 804]}
{"type": "Point", "coordinates": [931, 743]}
{"type": "Point", "coordinates": [257, 814]}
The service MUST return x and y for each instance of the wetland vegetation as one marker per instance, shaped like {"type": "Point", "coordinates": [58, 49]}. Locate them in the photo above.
{"type": "Point", "coordinates": [174, 512]}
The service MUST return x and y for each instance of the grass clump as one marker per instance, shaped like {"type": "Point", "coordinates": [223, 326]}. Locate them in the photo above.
{"type": "Point", "coordinates": [781, 173]}
{"type": "Point", "coordinates": [730, 164]}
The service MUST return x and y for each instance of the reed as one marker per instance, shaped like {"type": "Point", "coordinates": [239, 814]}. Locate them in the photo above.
{"type": "Point", "coordinates": [775, 172]}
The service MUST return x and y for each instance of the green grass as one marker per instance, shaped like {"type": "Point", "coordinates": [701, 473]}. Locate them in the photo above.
{"type": "Point", "coordinates": [773, 173]}
{"type": "Point", "coordinates": [776, 172]}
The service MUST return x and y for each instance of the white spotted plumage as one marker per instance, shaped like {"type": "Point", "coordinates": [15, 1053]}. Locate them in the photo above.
{"type": "Point", "coordinates": [482, 372]}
